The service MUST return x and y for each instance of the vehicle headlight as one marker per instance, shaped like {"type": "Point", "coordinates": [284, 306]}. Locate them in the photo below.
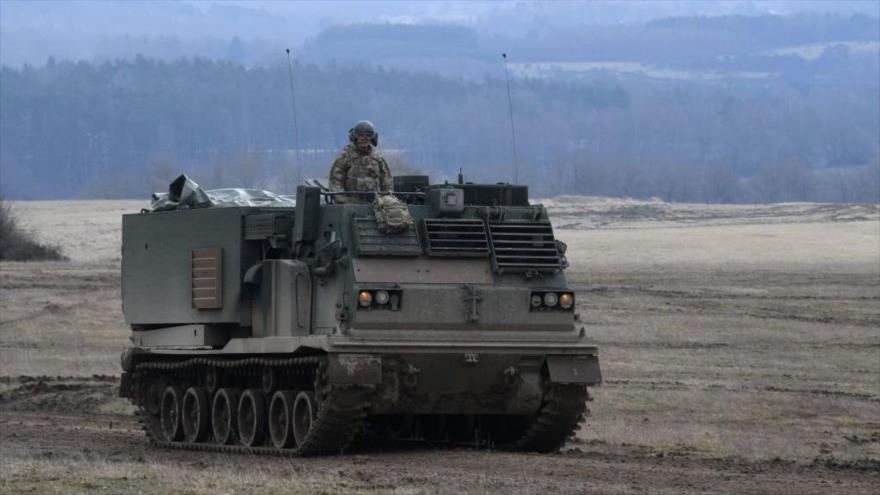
{"type": "Point", "coordinates": [381, 297]}
{"type": "Point", "coordinates": [550, 299]}
{"type": "Point", "coordinates": [365, 298]}
{"type": "Point", "coordinates": [566, 300]}
{"type": "Point", "coordinates": [536, 300]}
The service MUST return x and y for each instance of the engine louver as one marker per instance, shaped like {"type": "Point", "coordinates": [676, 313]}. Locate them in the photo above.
{"type": "Point", "coordinates": [371, 242]}
{"type": "Point", "coordinates": [207, 278]}
{"type": "Point", "coordinates": [522, 246]}
{"type": "Point", "coordinates": [456, 237]}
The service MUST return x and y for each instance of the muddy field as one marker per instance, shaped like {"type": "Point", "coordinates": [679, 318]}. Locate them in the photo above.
{"type": "Point", "coordinates": [740, 347]}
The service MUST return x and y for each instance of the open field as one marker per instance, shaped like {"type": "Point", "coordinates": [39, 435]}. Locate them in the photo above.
{"type": "Point", "coordinates": [740, 348]}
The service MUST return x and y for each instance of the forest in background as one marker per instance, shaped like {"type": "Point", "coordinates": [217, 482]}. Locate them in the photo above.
{"type": "Point", "coordinates": [743, 118]}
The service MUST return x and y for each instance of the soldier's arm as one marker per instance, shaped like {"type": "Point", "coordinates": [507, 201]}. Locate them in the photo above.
{"type": "Point", "coordinates": [337, 174]}
{"type": "Point", "coordinates": [387, 180]}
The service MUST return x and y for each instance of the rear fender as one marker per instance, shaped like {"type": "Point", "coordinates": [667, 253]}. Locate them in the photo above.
{"type": "Point", "coordinates": [582, 370]}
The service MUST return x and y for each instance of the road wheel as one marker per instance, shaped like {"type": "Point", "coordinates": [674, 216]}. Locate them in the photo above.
{"type": "Point", "coordinates": [172, 430]}
{"type": "Point", "coordinates": [252, 418]}
{"type": "Point", "coordinates": [305, 412]}
{"type": "Point", "coordinates": [196, 414]}
{"type": "Point", "coordinates": [153, 395]}
{"type": "Point", "coordinates": [280, 419]}
{"type": "Point", "coordinates": [223, 415]}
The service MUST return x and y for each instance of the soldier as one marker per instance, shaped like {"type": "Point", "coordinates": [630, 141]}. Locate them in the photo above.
{"type": "Point", "coordinates": [359, 167]}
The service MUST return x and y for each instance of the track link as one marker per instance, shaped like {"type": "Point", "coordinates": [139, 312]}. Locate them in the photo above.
{"type": "Point", "coordinates": [562, 411]}
{"type": "Point", "coordinates": [340, 414]}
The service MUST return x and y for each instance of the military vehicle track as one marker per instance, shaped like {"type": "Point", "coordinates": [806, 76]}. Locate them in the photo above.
{"type": "Point", "coordinates": [564, 408]}
{"type": "Point", "coordinates": [337, 425]}
{"type": "Point", "coordinates": [340, 416]}
{"type": "Point", "coordinates": [340, 410]}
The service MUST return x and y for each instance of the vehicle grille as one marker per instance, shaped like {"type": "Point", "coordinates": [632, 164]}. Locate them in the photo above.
{"type": "Point", "coordinates": [456, 237]}
{"type": "Point", "coordinates": [522, 246]}
{"type": "Point", "coordinates": [371, 242]}
{"type": "Point", "coordinates": [207, 278]}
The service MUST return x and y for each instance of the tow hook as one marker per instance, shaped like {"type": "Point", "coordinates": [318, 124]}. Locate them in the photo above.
{"type": "Point", "coordinates": [511, 374]}
{"type": "Point", "coordinates": [411, 376]}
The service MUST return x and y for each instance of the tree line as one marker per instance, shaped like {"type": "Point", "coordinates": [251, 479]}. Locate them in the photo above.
{"type": "Point", "coordinates": [124, 128]}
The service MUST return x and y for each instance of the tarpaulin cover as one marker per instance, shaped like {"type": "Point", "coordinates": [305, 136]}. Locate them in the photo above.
{"type": "Point", "coordinates": [185, 193]}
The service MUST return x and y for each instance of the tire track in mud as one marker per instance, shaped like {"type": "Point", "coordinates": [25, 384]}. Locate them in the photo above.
{"type": "Point", "coordinates": [685, 345]}
{"type": "Point", "coordinates": [704, 301]}
{"type": "Point", "coordinates": [52, 309]}
{"type": "Point", "coordinates": [57, 393]}
{"type": "Point", "coordinates": [75, 277]}
{"type": "Point", "coordinates": [678, 385]}
{"type": "Point", "coordinates": [701, 293]}
{"type": "Point", "coordinates": [25, 379]}
{"type": "Point", "coordinates": [585, 467]}
{"type": "Point", "coordinates": [651, 455]}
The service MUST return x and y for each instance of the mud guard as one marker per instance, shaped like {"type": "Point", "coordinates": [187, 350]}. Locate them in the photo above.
{"type": "Point", "coordinates": [574, 369]}
{"type": "Point", "coordinates": [354, 369]}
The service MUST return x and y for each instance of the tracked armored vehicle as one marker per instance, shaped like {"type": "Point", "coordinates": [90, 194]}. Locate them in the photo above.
{"type": "Point", "coordinates": [300, 329]}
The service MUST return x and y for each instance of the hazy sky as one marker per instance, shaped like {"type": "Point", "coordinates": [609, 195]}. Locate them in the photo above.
{"type": "Point", "coordinates": [31, 31]}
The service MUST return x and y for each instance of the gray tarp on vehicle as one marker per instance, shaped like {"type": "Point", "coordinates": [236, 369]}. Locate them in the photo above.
{"type": "Point", "coordinates": [185, 193]}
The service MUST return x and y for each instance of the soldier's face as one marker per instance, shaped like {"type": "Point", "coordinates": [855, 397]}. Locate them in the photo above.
{"type": "Point", "coordinates": [362, 141]}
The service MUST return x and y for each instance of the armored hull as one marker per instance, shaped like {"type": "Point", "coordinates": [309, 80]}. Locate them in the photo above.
{"type": "Point", "coordinates": [297, 330]}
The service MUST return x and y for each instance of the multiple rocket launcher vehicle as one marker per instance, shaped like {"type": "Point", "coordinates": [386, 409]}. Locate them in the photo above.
{"type": "Point", "coordinates": [298, 330]}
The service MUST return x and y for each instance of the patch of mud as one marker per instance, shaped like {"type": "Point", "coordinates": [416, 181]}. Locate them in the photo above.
{"type": "Point", "coordinates": [678, 385]}
{"type": "Point", "coordinates": [685, 455]}
{"type": "Point", "coordinates": [802, 307]}
{"type": "Point", "coordinates": [61, 394]}
{"type": "Point", "coordinates": [828, 393]}
{"type": "Point", "coordinates": [873, 437]}
{"type": "Point", "coordinates": [863, 465]}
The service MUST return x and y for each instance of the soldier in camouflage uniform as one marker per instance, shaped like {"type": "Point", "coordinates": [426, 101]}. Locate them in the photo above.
{"type": "Point", "coordinates": [359, 167]}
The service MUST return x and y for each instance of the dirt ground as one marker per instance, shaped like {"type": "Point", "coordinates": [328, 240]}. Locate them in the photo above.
{"type": "Point", "coordinates": [740, 347]}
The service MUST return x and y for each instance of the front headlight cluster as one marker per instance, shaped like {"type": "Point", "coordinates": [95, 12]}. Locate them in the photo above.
{"type": "Point", "coordinates": [379, 299]}
{"type": "Point", "coordinates": [552, 300]}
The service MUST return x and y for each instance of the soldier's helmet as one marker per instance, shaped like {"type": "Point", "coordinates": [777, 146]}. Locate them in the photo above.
{"type": "Point", "coordinates": [364, 127]}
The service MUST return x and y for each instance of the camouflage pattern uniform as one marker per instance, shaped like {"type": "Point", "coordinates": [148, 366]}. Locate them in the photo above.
{"type": "Point", "coordinates": [353, 171]}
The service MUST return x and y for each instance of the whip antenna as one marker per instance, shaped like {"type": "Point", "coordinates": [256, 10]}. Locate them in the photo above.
{"type": "Point", "coordinates": [295, 126]}
{"type": "Point", "coordinates": [512, 129]}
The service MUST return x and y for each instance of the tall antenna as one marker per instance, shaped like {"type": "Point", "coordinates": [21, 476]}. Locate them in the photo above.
{"type": "Point", "coordinates": [512, 129]}
{"type": "Point", "coordinates": [295, 126]}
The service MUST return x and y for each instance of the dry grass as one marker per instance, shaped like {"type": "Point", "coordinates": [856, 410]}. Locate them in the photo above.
{"type": "Point", "coordinates": [85, 230]}
{"type": "Point", "coordinates": [17, 244]}
{"type": "Point", "coordinates": [605, 235]}
{"type": "Point", "coordinates": [60, 319]}
{"type": "Point", "coordinates": [758, 365]}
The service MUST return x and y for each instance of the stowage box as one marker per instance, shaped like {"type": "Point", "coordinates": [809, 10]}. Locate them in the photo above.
{"type": "Point", "coordinates": [185, 267]}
